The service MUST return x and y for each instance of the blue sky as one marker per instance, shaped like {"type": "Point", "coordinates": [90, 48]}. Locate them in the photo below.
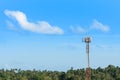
{"type": "Point", "coordinates": [47, 34]}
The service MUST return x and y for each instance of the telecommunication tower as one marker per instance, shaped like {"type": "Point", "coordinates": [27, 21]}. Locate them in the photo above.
{"type": "Point", "coordinates": [87, 40]}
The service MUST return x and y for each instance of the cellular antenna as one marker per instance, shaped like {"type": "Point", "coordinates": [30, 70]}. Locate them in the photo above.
{"type": "Point", "coordinates": [87, 40]}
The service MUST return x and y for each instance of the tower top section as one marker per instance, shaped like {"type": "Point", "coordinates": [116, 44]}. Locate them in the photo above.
{"type": "Point", "coordinates": [87, 39]}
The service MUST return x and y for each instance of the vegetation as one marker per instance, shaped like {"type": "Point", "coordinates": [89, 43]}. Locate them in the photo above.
{"type": "Point", "coordinates": [109, 73]}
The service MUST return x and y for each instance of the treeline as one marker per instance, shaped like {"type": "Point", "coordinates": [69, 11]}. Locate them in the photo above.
{"type": "Point", "coordinates": [109, 73]}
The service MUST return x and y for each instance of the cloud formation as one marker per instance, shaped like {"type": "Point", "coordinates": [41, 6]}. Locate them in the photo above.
{"type": "Point", "coordinates": [96, 25]}
{"type": "Point", "coordinates": [99, 26]}
{"type": "Point", "coordinates": [11, 25]}
{"type": "Point", "coordinates": [39, 27]}
{"type": "Point", "coordinates": [77, 29]}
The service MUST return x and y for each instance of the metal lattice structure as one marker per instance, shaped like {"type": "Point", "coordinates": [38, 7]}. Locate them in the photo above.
{"type": "Point", "coordinates": [87, 40]}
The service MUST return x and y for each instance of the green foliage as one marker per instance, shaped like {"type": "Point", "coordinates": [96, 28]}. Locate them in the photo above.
{"type": "Point", "coordinates": [109, 73]}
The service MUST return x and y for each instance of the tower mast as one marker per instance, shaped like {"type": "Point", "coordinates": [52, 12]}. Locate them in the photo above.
{"type": "Point", "coordinates": [87, 40]}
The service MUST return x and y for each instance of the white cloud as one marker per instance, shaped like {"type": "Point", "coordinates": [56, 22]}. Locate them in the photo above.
{"type": "Point", "coordinates": [77, 29]}
{"type": "Point", "coordinates": [99, 26]}
{"type": "Point", "coordinates": [95, 26]}
{"type": "Point", "coordinates": [11, 25]}
{"type": "Point", "coordinates": [39, 27]}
